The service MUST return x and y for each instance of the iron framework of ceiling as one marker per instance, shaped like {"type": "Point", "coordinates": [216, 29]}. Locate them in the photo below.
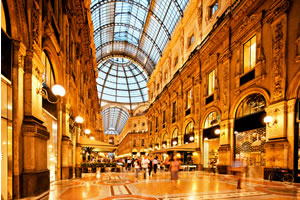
{"type": "Point", "coordinates": [139, 29]}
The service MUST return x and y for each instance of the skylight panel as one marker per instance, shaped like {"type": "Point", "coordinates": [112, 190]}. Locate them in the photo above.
{"type": "Point", "coordinates": [153, 27]}
{"type": "Point", "coordinates": [161, 7]}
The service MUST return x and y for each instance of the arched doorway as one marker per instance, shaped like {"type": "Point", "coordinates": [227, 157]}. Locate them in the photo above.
{"type": "Point", "coordinates": [211, 139]}
{"type": "Point", "coordinates": [250, 134]}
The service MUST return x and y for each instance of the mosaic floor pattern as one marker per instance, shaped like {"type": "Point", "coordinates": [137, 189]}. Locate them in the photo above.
{"type": "Point", "coordinates": [190, 186]}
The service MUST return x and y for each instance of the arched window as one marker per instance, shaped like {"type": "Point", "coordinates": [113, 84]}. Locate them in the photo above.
{"type": "Point", "coordinates": [212, 119]}
{"type": "Point", "coordinates": [165, 140]}
{"type": "Point", "coordinates": [189, 128]}
{"type": "Point", "coordinates": [175, 133]}
{"type": "Point", "coordinates": [253, 103]}
{"type": "Point", "coordinates": [48, 75]}
{"type": "Point", "coordinates": [111, 140]}
{"type": "Point", "coordinates": [189, 133]}
{"type": "Point", "coordinates": [211, 124]}
{"type": "Point", "coordinates": [174, 140]}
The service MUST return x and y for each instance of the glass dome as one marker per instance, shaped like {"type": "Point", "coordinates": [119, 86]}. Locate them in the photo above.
{"type": "Point", "coordinates": [121, 81]}
{"type": "Point", "coordinates": [114, 120]}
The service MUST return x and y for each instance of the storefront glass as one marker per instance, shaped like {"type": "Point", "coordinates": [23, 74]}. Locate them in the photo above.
{"type": "Point", "coordinates": [51, 123]}
{"type": "Point", "coordinates": [250, 138]}
{"type": "Point", "coordinates": [6, 139]}
{"type": "Point", "coordinates": [250, 146]}
{"type": "Point", "coordinates": [211, 154]}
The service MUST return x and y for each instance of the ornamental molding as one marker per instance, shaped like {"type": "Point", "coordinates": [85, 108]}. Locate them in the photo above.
{"type": "Point", "coordinates": [279, 34]}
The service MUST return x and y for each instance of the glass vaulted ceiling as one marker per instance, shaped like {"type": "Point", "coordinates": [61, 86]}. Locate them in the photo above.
{"type": "Point", "coordinates": [121, 81]}
{"type": "Point", "coordinates": [114, 120]}
{"type": "Point", "coordinates": [139, 29]}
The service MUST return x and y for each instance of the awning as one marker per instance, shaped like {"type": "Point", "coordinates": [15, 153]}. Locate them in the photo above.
{"type": "Point", "coordinates": [101, 146]}
{"type": "Point", "coordinates": [184, 147]}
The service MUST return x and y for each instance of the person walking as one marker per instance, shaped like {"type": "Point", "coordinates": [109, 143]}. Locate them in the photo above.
{"type": "Point", "coordinates": [237, 170]}
{"type": "Point", "coordinates": [129, 164]}
{"type": "Point", "coordinates": [145, 163]}
{"type": "Point", "coordinates": [150, 166]}
{"type": "Point", "coordinates": [174, 168]}
{"type": "Point", "coordinates": [155, 163]}
{"type": "Point", "coordinates": [136, 165]}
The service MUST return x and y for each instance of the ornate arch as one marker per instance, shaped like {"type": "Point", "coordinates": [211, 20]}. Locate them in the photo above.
{"type": "Point", "coordinates": [186, 122]}
{"type": "Point", "coordinates": [293, 90]}
{"type": "Point", "coordinates": [207, 112]}
{"type": "Point", "coordinates": [50, 49]}
{"type": "Point", "coordinates": [244, 94]}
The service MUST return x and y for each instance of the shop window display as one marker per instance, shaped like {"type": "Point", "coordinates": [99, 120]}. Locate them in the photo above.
{"type": "Point", "coordinates": [250, 138]}
{"type": "Point", "coordinates": [250, 146]}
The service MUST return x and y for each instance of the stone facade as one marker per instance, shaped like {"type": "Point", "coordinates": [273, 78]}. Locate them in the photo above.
{"type": "Point", "coordinates": [52, 27]}
{"type": "Point", "coordinates": [219, 46]}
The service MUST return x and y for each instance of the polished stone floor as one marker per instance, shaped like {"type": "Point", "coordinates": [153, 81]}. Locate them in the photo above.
{"type": "Point", "coordinates": [190, 186]}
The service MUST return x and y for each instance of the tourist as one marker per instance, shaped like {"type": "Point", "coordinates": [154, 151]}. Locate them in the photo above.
{"type": "Point", "coordinates": [129, 164]}
{"type": "Point", "coordinates": [136, 165]}
{"type": "Point", "coordinates": [150, 166]}
{"type": "Point", "coordinates": [237, 170]}
{"type": "Point", "coordinates": [145, 163]}
{"type": "Point", "coordinates": [174, 168]}
{"type": "Point", "coordinates": [155, 163]}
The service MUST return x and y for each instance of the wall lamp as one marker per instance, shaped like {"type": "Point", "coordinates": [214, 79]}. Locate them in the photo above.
{"type": "Point", "coordinates": [87, 131]}
{"type": "Point", "coordinates": [57, 90]}
{"type": "Point", "coordinates": [269, 121]}
{"type": "Point", "coordinates": [78, 120]}
{"type": "Point", "coordinates": [191, 138]}
{"type": "Point", "coordinates": [174, 143]}
{"type": "Point", "coordinates": [217, 131]}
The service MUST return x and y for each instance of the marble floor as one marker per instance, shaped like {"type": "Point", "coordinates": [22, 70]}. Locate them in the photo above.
{"type": "Point", "coordinates": [190, 186]}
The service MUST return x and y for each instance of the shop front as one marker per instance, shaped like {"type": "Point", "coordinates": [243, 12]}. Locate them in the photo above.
{"type": "Point", "coordinates": [211, 141]}
{"type": "Point", "coordinates": [250, 135]}
{"type": "Point", "coordinates": [297, 143]}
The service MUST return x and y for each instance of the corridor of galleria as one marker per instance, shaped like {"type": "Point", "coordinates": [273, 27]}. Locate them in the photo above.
{"type": "Point", "coordinates": [89, 87]}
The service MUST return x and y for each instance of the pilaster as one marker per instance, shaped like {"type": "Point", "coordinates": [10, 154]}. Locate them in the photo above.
{"type": "Point", "coordinates": [35, 177]}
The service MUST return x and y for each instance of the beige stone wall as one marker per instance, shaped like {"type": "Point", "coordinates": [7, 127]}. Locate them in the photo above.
{"type": "Point", "coordinates": [277, 44]}
{"type": "Point", "coordinates": [35, 27]}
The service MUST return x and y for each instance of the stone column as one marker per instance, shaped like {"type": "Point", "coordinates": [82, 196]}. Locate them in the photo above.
{"type": "Point", "coordinates": [78, 161]}
{"type": "Point", "coordinates": [277, 145]}
{"type": "Point", "coordinates": [34, 179]}
{"type": "Point", "coordinates": [19, 52]}
{"type": "Point", "coordinates": [225, 153]}
{"type": "Point", "coordinates": [66, 142]}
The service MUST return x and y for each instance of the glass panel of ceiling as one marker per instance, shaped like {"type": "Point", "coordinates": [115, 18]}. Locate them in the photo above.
{"type": "Point", "coordinates": [139, 29]}
{"type": "Point", "coordinates": [114, 120]}
{"type": "Point", "coordinates": [121, 81]}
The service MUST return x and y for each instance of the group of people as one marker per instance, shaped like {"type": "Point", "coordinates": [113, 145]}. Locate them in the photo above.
{"type": "Point", "coordinates": [148, 164]}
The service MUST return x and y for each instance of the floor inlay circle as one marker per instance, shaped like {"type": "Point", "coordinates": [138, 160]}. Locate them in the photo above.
{"type": "Point", "coordinates": [129, 197]}
{"type": "Point", "coordinates": [115, 182]}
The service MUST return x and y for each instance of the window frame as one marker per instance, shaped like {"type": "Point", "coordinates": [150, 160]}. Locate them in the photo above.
{"type": "Point", "coordinates": [174, 105]}
{"type": "Point", "coordinates": [188, 100]}
{"type": "Point", "coordinates": [251, 67]}
{"type": "Point", "coordinates": [211, 92]}
{"type": "Point", "coordinates": [211, 11]}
